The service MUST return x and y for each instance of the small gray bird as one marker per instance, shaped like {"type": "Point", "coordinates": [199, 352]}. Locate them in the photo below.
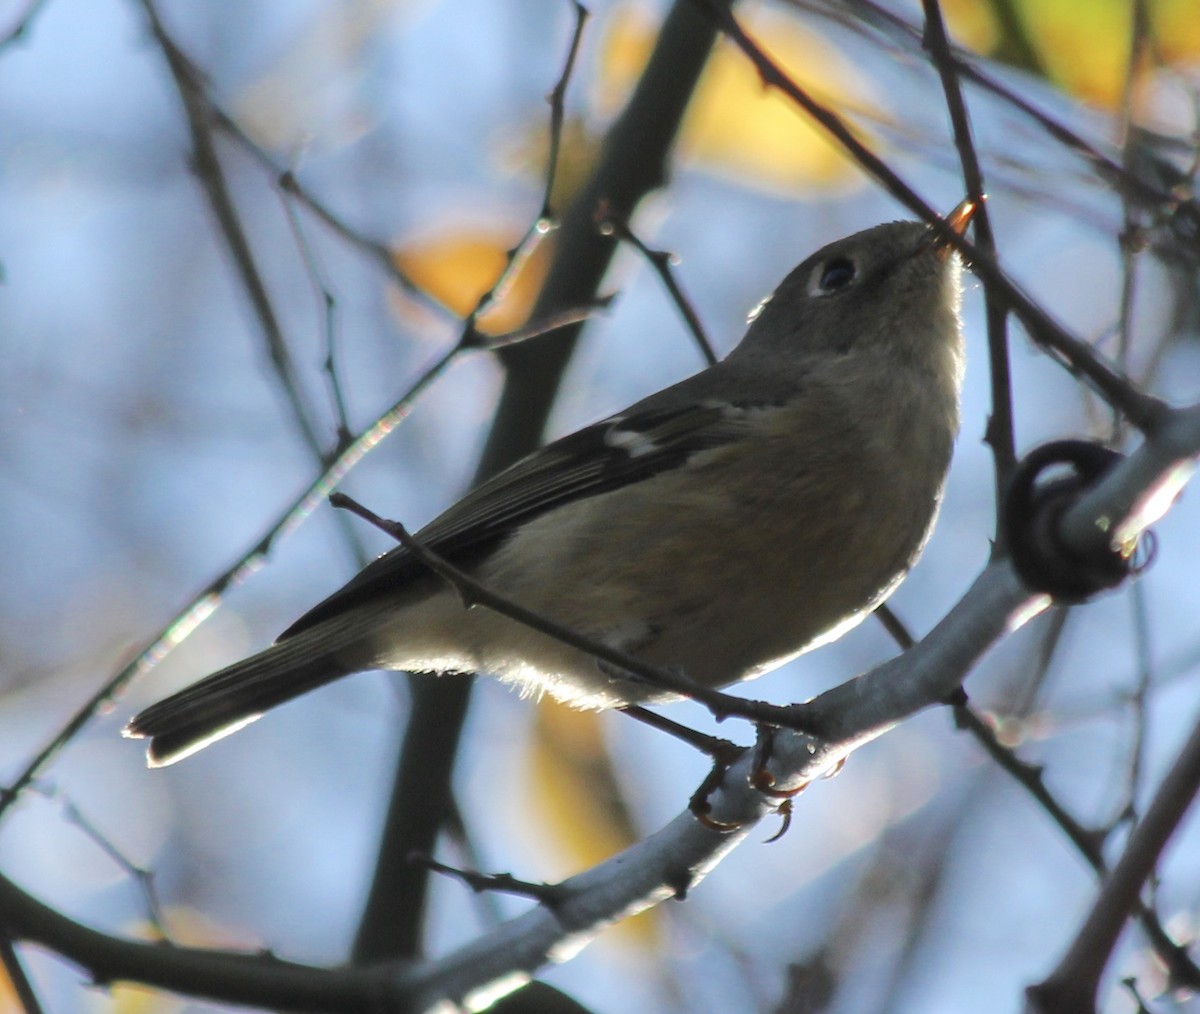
{"type": "Point", "coordinates": [719, 527]}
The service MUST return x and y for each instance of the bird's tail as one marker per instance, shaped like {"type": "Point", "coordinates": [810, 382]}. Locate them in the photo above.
{"type": "Point", "coordinates": [227, 700]}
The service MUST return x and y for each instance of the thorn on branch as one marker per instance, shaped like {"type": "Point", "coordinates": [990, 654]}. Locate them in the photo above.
{"type": "Point", "coordinates": [401, 534]}
{"type": "Point", "coordinates": [473, 338]}
{"type": "Point", "coordinates": [340, 501]}
{"type": "Point", "coordinates": [720, 750]}
{"type": "Point", "coordinates": [549, 895]}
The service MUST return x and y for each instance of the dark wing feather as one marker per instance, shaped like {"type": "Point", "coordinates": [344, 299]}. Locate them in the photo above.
{"type": "Point", "coordinates": [620, 450]}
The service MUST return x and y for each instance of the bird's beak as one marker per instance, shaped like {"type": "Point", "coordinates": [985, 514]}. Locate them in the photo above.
{"type": "Point", "coordinates": [957, 221]}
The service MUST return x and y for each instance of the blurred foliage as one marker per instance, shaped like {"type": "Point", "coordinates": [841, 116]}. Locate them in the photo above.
{"type": "Point", "coordinates": [1081, 46]}
{"type": "Point", "coordinates": [9, 1003]}
{"type": "Point", "coordinates": [741, 131]}
{"type": "Point", "coordinates": [735, 127]}
{"type": "Point", "coordinates": [457, 266]}
{"type": "Point", "coordinates": [578, 800]}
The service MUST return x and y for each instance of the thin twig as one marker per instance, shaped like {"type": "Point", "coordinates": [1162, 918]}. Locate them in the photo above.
{"type": "Point", "coordinates": [391, 923]}
{"type": "Point", "coordinates": [473, 593]}
{"type": "Point", "coordinates": [1129, 241]}
{"type": "Point", "coordinates": [722, 750]}
{"type": "Point", "coordinates": [213, 178]}
{"type": "Point", "coordinates": [557, 100]}
{"type": "Point", "coordinates": [285, 179]}
{"type": "Point", "coordinates": [1142, 190]}
{"type": "Point", "coordinates": [1029, 776]}
{"type": "Point", "coordinates": [1139, 698]}
{"type": "Point", "coordinates": [536, 327]}
{"type": "Point", "coordinates": [544, 222]}
{"type": "Point", "coordinates": [999, 436]}
{"type": "Point", "coordinates": [1089, 842]}
{"type": "Point", "coordinates": [632, 162]}
{"type": "Point", "coordinates": [22, 23]}
{"type": "Point", "coordinates": [381, 253]}
{"type": "Point", "coordinates": [1022, 701]}
{"type": "Point", "coordinates": [660, 260]}
{"type": "Point", "coordinates": [143, 877]}
{"type": "Point", "coordinates": [895, 627]}
{"type": "Point", "coordinates": [17, 977]}
{"type": "Point", "coordinates": [504, 883]}
{"type": "Point", "coordinates": [327, 306]}
{"type": "Point", "coordinates": [208, 169]}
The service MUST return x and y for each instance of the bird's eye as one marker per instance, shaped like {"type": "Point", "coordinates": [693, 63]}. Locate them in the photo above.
{"type": "Point", "coordinates": [836, 274]}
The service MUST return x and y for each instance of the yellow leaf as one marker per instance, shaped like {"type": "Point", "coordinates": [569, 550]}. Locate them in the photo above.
{"type": "Point", "coordinates": [1176, 28]}
{"type": "Point", "coordinates": [576, 790]}
{"type": "Point", "coordinates": [1083, 46]}
{"type": "Point", "coordinates": [458, 266]}
{"type": "Point", "coordinates": [574, 782]}
{"type": "Point", "coordinates": [9, 1002]}
{"type": "Point", "coordinates": [528, 151]}
{"type": "Point", "coordinates": [625, 45]}
{"type": "Point", "coordinates": [972, 23]}
{"type": "Point", "coordinates": [188, 928]}
{"type": "Point", "coordinates": [734, 127]}
{"type": "Point", "coordinates": [130, 999]}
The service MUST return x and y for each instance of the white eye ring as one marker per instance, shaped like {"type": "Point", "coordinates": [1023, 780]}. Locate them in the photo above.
{"type": "Point", "coordinates": [832, 276]}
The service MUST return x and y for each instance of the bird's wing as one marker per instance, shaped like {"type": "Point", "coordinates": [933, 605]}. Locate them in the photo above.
{"type": "Point", "coordinates": [623, 449]}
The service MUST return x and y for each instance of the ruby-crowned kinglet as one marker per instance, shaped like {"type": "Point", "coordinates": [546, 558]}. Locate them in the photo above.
{"type": "Point", "coordinates": [719, 527]}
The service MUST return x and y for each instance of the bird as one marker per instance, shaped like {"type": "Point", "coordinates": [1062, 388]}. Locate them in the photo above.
{"type": "Point", "coordinates": [717, 528]}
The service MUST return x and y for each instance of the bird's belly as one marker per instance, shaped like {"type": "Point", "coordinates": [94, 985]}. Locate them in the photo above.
{"type": "Point", "coordinates": [693, 591]}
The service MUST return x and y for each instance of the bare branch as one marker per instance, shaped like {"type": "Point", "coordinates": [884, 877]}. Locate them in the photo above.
{"type": "Point", "coordinates": [209, 171]}
{"type": "Point", "coordinates": [1073, 983]}
{"type": "Point", "coordinates": [557, 100]}
{"type": "Point", "coordinates": [22, 23]}
{"type": "Point", "coordinates": [328, 309]}
{"type": "Point", "coordinates": [1000, 428]}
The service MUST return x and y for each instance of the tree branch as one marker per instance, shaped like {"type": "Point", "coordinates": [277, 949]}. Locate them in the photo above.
{"type": "Point", "coordinates": [1073, 984]}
